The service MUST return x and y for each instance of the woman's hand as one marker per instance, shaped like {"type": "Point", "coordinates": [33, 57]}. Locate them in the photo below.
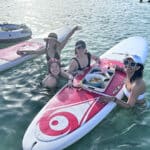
{"type": "Point", "coordinates": [98, 61]}
{"type": "Point", "coordinates": [77, 28]}
{"type": "Point", "coordinates": [21, 53]}
{"type": "Point", "coordinates": [70, 83]}
{"type": "Point", "coordinates": [25, 52]}
{"type": "Point", "coordinates": [121, 69]}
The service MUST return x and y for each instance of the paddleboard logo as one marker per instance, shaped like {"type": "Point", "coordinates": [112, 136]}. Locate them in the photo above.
{"type": "Point", "coordinates": [59, 122]}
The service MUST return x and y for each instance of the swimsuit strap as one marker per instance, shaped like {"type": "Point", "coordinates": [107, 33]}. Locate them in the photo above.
{"type": "Point", "coordinates": [127, 93]}
{"type": "Point", "coordinates": [79, 67]}
{"type": "Point", "coordinates": [89, 62]}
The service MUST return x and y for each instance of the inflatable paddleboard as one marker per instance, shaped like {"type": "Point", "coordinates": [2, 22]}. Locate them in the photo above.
{"type": "Point", "coordinates": [73, 112]}
{"type": "Point", "coordinates": [13, 32]}
{"type": "Point", "coordinates": [9, 57]}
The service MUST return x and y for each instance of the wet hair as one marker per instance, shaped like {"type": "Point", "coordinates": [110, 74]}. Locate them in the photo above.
{"type": "Point", "coordinates": [53, 35]}
{"type": "Point", "coordinates": [137, 74]}
{"type": "Point", "coordinates": [80, 43]}
{"type": "Point", "coordinates": [51, 61]}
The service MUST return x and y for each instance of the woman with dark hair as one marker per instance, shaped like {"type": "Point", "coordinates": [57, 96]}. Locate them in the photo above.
{"type": "Point", "coordinates": [82, 59]}
{"type": "Point", "coordinates": [134, 87]}
{"type": "Point", "coordinates": [54, 74]}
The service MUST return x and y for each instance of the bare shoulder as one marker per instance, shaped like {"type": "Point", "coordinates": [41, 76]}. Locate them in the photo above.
{"type": "Point", "coordinates": [73, 62]}
{"type": "Point", "coordinates": [139, 85]}
{"type": "Point", "coordinates": [140, 82]}
{"type": "Point", "coordinates": [72, 66]}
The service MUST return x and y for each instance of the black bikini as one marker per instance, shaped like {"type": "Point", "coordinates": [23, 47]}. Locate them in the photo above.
{"type": "Point", "coordinates": [88, 65]}
{"type": "Point", "coordinates": [57, 56]}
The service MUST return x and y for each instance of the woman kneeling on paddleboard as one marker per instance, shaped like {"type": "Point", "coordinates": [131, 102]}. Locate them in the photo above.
{"type": "Point", "coordinates": [82, 60]}
{"type": "Point", "coordinates": [134, 87]}
{"type": "Point", "coordinates": [55, 71]}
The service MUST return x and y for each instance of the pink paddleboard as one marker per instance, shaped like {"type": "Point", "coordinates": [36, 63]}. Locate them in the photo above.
{"type": "Point", "coordinates": [9, 57]}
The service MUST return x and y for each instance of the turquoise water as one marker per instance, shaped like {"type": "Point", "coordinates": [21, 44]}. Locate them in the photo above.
{"type": "Point", "coordinates": [104, 23]}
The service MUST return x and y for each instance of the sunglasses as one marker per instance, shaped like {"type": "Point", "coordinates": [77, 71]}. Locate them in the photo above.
{"type": "Point", "coordinates": [128, 63]}
{"type": "Point", "coordinates": [79, 47]}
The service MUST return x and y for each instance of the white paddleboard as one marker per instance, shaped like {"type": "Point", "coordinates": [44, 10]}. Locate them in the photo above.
{"type": "Point", "coordinates": [72, 113]}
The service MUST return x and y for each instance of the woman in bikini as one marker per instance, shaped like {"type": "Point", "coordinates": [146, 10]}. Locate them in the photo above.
{"type": "Point", "coordinates": [53, 46]}
{"type": "Point", "coordinates": [54, 74]}
{"type": "Point", "coordinates": [82, 60]}
{"type": "Point", "coordinates": [134, 87]}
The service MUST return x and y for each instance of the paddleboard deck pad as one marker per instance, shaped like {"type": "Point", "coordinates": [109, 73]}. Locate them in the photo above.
{"type": "Point", "coordinates": [73, 112]}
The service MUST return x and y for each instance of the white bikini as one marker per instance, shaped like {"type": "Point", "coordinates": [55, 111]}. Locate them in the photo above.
{"type": "Point", "coordinates": [127, 93]}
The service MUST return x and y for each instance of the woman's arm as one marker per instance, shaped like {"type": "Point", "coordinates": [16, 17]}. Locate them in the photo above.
{"type": "Point", "coordinates": [116, 100]}
{"type": "Point", "coordinates": [124, 104]}
{"type": "Point", "coordinates": [96, 59]}
{"type": "Point", "coordinates": [68, 76]}
{"type": "Point", "coordinates": [73, 67]}
{"type": "Point", "coordinates": [132, 99]}
{"type": "Point", "coordinates": [63, 43]}
{"type": "Point", "coordinates": [121, 69]}
{"type": "Point", "coordinates": [29, 52]}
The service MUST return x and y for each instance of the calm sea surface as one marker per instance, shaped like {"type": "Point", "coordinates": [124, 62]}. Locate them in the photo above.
{"type": "Point", "coordinates": [104, 23]}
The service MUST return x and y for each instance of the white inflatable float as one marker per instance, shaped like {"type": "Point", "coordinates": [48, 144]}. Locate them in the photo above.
{"type": "Point", "coordinates": [14, 32]}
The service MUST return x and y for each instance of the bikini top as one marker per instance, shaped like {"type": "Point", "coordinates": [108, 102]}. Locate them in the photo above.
{"type": "Point", "coordinates": [56, 55]}
{"type": "Point", "coordinates": [127, 93]}
{"type": "Point", "coordinates": [88, 65]}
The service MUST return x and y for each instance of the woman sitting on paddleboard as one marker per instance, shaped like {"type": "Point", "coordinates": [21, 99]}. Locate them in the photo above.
{"type": "Point", "coordinates": [82, 60]}
{"type": "Point", "coordinates": [134, 87]}
{"type": "Point", "coordinates": [53, 46]}
{"type": "Point", "coordinates": [55, 71]}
